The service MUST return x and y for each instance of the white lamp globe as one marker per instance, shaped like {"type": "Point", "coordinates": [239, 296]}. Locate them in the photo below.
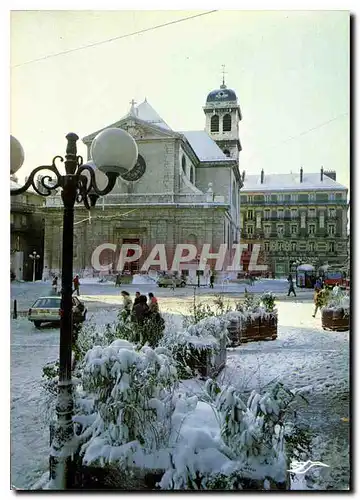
{"type": "Point", "coordinates": [16, 155]}
{"type": "Point", "coordinates": [114, 151]}
{"type": "Point", "coordinates": [100, 178]}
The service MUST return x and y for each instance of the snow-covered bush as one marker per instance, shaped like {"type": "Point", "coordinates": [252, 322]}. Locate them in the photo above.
{"type": "Point", "coordinates": [338, 300]}
{"type": "Point", "coordinates": [268, 301]}
{"type": "Point", "coordinates": [133, 420]}
{"type": "Point", "coordinates": [216, 326]}
{"type": "Point", "coordinates": [200, 310]}
{"type": "Point", "coordinates": [198, 345]}
{"type": "Point", "coordinates": [89, 335]}
{"type": "Point", "coordinates": [255, 307]}
{"type": "Point", "coordinates": [251, 303]}
{"type": "Point", "coordinates": [132, 394]}
{"type": "Point", "coordinates": [249, 446]}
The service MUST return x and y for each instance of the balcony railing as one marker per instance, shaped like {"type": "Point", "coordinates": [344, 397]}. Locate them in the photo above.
{"type": "Point", "coordinates": [283, 218]}
{"type": "Point", "coordinates": [148, 199]}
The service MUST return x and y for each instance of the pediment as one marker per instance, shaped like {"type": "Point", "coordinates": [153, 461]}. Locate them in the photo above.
{"type": "Point", "coordinates": [138, 129]}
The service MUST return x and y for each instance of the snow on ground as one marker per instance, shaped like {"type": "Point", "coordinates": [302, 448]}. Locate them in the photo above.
{"type": "Point", "coordinates": [96, 294]}
{"type": "Point", "coordinates": [303, 357]}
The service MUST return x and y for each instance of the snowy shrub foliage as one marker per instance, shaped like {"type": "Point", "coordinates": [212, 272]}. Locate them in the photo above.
{"type": "Point", "coordinates": [132, 418]}
{"type": "Point", "coordinates": [268, 301]}
{"type": "Point", "coordinates": [255, 307]}
{"type": "Point", "coordinates": [200, 311]}
{"type": "Point", "coordinates": [131, 394]}
{"type": "Point", "coordinates": [338, 300]}
{"type": "Point", "coordinates": [186, 346]}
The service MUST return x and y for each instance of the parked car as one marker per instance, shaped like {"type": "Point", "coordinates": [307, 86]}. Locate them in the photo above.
{"type": "Point", "coordinates": [167, 280]}
{"type": "Point", "coordinates": [47, 310]}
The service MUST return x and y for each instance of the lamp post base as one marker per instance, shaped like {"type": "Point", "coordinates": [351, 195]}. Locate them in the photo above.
{"type": "Point", "coordinates": [63, 445]}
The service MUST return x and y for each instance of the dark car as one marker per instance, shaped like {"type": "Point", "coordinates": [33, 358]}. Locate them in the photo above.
{"type": "Point", "coordinates": [47, 310]}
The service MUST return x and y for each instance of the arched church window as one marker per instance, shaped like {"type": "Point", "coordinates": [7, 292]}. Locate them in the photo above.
{"type": "Point", "coordinates": [227, 123]}
{"type": "Point", "coordinates": [183, 164]}
{"type": "Point", "coordinates": [215, 123]}
{"type": "Point", "coordinates": [227, 153]}
{"type": "Point", "coordinates": [192, 176]}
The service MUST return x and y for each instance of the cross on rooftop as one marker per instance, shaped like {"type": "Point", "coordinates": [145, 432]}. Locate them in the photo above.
{"type": "Point", "coordinates": [132, 109]}
{"type": "Point", "coordinates": [223, 76]}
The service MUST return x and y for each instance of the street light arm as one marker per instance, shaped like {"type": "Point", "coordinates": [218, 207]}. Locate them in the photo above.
{"type": "Point", "coordinates": [43, 182]}
{"type": "Point", "coordinates": [92, 186]}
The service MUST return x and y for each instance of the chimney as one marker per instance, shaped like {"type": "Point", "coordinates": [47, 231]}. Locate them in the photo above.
{"type": "Point", "coordinates": [243, 175]}
{"type": "Point", "coordinates": [301, 174]}
{"type": "Point", "coordinates": [262, 176]}
{"type": "Point", "coordinates": [322, 174]}
{"type": "Point", "coordinates": [331, 174]}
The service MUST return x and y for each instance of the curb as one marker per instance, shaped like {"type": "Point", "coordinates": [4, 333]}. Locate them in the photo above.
{"type": "Point", "coordinates": [19, 313]}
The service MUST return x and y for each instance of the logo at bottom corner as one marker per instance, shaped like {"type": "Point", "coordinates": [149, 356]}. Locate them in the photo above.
{"type": "Point", "coordinates": [303, 467]}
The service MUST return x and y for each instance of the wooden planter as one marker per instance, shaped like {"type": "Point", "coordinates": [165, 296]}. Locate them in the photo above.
{"type": "Point", "coordinates": [259, 329]}
{"type": "Point", "coordinates": [203, 361]}
{"type": "Point", "coordinates": [335, 320]}
{"type": "Point", "coordinates": [113, 478]}
{"type": "Point", "coordinates": [234, 333]}
{"type": "Point", "coordinates": [252, 331]}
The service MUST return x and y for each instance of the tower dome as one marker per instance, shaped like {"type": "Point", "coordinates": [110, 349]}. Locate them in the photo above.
{"type": "Point", "coordinates": [223, 94]}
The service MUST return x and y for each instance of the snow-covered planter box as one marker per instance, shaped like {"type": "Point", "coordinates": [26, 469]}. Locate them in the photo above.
{"type": "Point", "coordinates": [200, 349]}
{"type": "Point", "coordinates": [337, 320]}
{"type": "Point", "coordinates": [205, 357]}
{"type": "Point", "coordinates": [335, 315]}
{"type": "Point", "coordinates": [259, 328]}
{"type": "Point", "coordinates": [252, 327]}
{"type": "Point", "coordinates": [254, 320]}
{"type": "Point", "coordinates": [218, 443]}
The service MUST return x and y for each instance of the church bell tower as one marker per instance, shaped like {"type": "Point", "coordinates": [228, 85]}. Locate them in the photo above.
{"type": "Point", "coordinates": [223, 115]}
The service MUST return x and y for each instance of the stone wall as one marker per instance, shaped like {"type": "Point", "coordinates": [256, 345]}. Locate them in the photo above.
{"type": "Point", "coordinates": [150, 225]}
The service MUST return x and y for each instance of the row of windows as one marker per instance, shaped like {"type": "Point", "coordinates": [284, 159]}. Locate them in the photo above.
{"type": "Point", "coordinates": [267, 198]}
{"type": "Point", "coordinates": [293, 229]}
{"type": "Point", "coordinates": [294, 246]}
{"type": "Point", "coordinates": [293, 213]}
{"type": "Point", "coordinates": [215, 123]}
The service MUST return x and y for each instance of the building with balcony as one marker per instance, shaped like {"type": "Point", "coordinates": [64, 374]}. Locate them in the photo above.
{"type": "Point", "coordinates": [26, 233]}
{"type": "Point", "coordinates": [294, 217]}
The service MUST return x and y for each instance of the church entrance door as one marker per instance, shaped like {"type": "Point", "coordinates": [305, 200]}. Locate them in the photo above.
{"type": "Point", "coordinates": [131, 267]}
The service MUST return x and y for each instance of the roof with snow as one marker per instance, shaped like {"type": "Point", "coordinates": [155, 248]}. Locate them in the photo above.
{"type": "Point", "coordinates": [204, 147]}
{"type": "Point", "coordinates": [147, 113]}
{"type": "Point", "coordinates": [202, 144]}
{"type": "Point", "coordinates": [290, 182]}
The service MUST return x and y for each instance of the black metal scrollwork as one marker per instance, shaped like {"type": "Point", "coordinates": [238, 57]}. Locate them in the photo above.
{"type": "Point", "coordinates": [86, 191]}
{"type": "Point", "coordinates": [31, 181]}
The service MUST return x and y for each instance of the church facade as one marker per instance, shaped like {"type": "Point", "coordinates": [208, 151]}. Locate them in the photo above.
{"type": "Point", "coordinates": [185, 188]}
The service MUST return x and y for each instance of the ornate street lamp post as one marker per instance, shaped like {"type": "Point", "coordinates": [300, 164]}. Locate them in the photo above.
{"type": "Point", "coordinates": [34, 257]}
{"type": "Point", "coordinates": [113, 152]}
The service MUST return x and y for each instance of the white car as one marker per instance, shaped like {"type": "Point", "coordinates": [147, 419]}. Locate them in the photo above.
{"type": "Point", "coordinates": [47, 310]}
